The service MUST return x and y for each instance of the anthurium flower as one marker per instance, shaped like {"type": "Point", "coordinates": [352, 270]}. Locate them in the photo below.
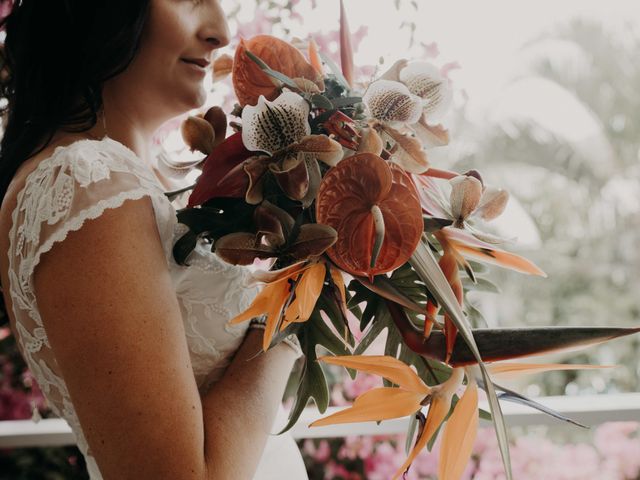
{"type": "Point", "coordinates": [301, 282]}
{"type": "Point", "coordinates": [374, 207]}
{"type": "Point", "coordinates": [249, 80]}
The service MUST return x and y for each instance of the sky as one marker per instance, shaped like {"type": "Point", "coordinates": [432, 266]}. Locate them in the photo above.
{"type": "Point", "coordinates": [484, 37]}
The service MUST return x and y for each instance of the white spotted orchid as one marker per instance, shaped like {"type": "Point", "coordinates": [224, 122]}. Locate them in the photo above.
{"type": "Point", "coordinates": [403, 104]}
{"type": "Point", "coordinates": [280, 130]}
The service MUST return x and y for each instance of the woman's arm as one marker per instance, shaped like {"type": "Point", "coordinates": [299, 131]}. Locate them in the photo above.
{"type": "Point", "coordinates": [250, 391]}
{"type": "Point", "coordinates": [111, 314]}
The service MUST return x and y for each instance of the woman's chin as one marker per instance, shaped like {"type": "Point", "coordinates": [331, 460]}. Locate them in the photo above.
{"type": "Point", "coordinates": [193, 97]}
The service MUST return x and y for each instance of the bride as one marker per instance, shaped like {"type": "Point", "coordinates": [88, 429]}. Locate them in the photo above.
{"type": "Point", "coordinates": [132, 349]}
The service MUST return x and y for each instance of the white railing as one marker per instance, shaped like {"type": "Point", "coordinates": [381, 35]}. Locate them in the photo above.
{"type": "Point", "coordinates": [587, 409]}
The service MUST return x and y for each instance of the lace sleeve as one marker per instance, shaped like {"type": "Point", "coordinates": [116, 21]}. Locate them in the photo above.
{"type": "Point", "coordinates": [78, 182]}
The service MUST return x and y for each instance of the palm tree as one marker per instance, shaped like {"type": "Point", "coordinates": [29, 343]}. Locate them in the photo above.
{"type": "Point", "coordinates": [565, 140]}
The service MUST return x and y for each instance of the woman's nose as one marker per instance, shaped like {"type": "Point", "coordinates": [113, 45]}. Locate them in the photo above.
{"type": "Point", "coordinates": [216, 30]}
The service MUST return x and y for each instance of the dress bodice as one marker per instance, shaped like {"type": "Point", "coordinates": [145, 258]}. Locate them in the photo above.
{"type": "Point", "coordinates": [79, 182]}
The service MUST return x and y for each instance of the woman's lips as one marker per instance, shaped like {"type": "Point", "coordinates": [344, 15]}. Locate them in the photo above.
{"type": "Point", "coordinates": [203, 62]}
{"type": "Point", "coordinates": [197, 65]}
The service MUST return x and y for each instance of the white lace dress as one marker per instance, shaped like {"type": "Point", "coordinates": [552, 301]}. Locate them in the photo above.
{"type": "Point", "coordinates": [78, 182]}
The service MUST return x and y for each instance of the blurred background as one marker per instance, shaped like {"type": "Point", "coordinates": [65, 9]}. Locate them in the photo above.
{"type": "Point", "coordinates": [546, 107]}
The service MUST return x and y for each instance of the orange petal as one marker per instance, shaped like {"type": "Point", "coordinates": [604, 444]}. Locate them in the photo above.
{"type": "Point", "coordinates": [346, 50]}
{"type": "Point", "coordinates": [440, 406]}
{"type": "Point", "coordinates": [378, 404]}
{"type": "Point", "coordinates": [459, 435]}
{"type": "Point", "coordinates": [388, 367]}
{"type": "Point", "coordinates": [471, 247]}
{"type": "Point", "coordinates": [259, 306]}
{"type": "Point", "coordinates": [278, 297]}
{"type": "Point", "coordinates": [307, 293]}
{"type": "Point", "coordinates": [222, 66]}
{"type": "Point", "coordinates": [314, 58]}
{"type": "Point", "coordinates": [514, 369]}
{"type": "Point", "coordinates": [437, 412]}
{"type": "Point", "coordinates": [270, 302]}
{"type": "Point", "coordinates": [271, 276]}
{"type": "Point", "coordinates": [338, 280]}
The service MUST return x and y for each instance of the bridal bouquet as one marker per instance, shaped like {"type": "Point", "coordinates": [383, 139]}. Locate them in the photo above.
{"type": "Point", "coordinates": [331, 181]}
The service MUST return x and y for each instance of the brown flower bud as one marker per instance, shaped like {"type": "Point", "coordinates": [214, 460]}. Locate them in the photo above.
{"type": "Point", "coordinates": [198, 134]}
{"type": "Point", "coordinates": [218, 120]}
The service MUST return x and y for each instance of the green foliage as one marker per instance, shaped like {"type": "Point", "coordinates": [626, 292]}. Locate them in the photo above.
{"type": "Point", "coordinates": [376, 318]}
{"type": "Point", "coordinates": [312, 381]}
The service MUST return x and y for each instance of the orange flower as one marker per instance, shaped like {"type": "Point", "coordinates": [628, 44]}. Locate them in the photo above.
{"type": "Point", "coordinates": [412, 394]}
{"type": "Point", "coordinates": [249, 81]}
{"type": "Point", "coordinates": [272, 300]}
{"type": "Point", "coordinates": [384, 402]}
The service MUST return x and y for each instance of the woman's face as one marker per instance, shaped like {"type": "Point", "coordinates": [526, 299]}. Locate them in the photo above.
{"type": "Point", "coordinates": [165, 79]}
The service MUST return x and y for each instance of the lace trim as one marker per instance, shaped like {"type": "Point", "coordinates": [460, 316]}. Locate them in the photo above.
{"type": "Point", "coordinates": [77, 222]}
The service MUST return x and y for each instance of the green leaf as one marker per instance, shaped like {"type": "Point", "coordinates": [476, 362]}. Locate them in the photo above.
{"type": "Point", "coordinates": [481, 285]}
{"type": "Point", "coordinates": [475, 316]}
{"type": "Point", "coordinates": [184, 246]}
{"type": "Point", "coordinates": [271, 72]}
{"type": "Point", "coordinates": [345, 101]}
{"type": "Point", "coordinates": [427, 267]}
{"type": "Point", "coordinates": [328, 305]}
{"type": "Point", "coordinates": [321, 101]}
{"type": "Point", "coordinates": [313, 383]}
{"type": "Point", "coordinates": [376, 318]}
{"type": "Point", "coordinates": [336, 71]}
{"type": "Point", "coordinates": [411, 431]}
{"type": "Point", "coordinates": [361, 294]}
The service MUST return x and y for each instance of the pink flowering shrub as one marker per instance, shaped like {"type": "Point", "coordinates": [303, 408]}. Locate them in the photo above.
{"type": "Point", "coordinates": [613, 455]}
{"type": "Point", "coordinates": [19, 394]}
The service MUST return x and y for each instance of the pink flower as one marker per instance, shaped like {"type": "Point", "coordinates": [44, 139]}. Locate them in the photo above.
{"type": "Point", "coordinates": [354, 447]}
{"type": "Point", "coordinates": [4, 332]}
{"type": "Point", "coordinates": [431, 50]}
{"type": "Point", "coordinates": [619, 445]}
{"type": "Point", "coordinates": [323, 452]}
{"type": "Point", "coordinates": [384, 463]}
{"type": "Point", "coordinates": [361, 384]}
